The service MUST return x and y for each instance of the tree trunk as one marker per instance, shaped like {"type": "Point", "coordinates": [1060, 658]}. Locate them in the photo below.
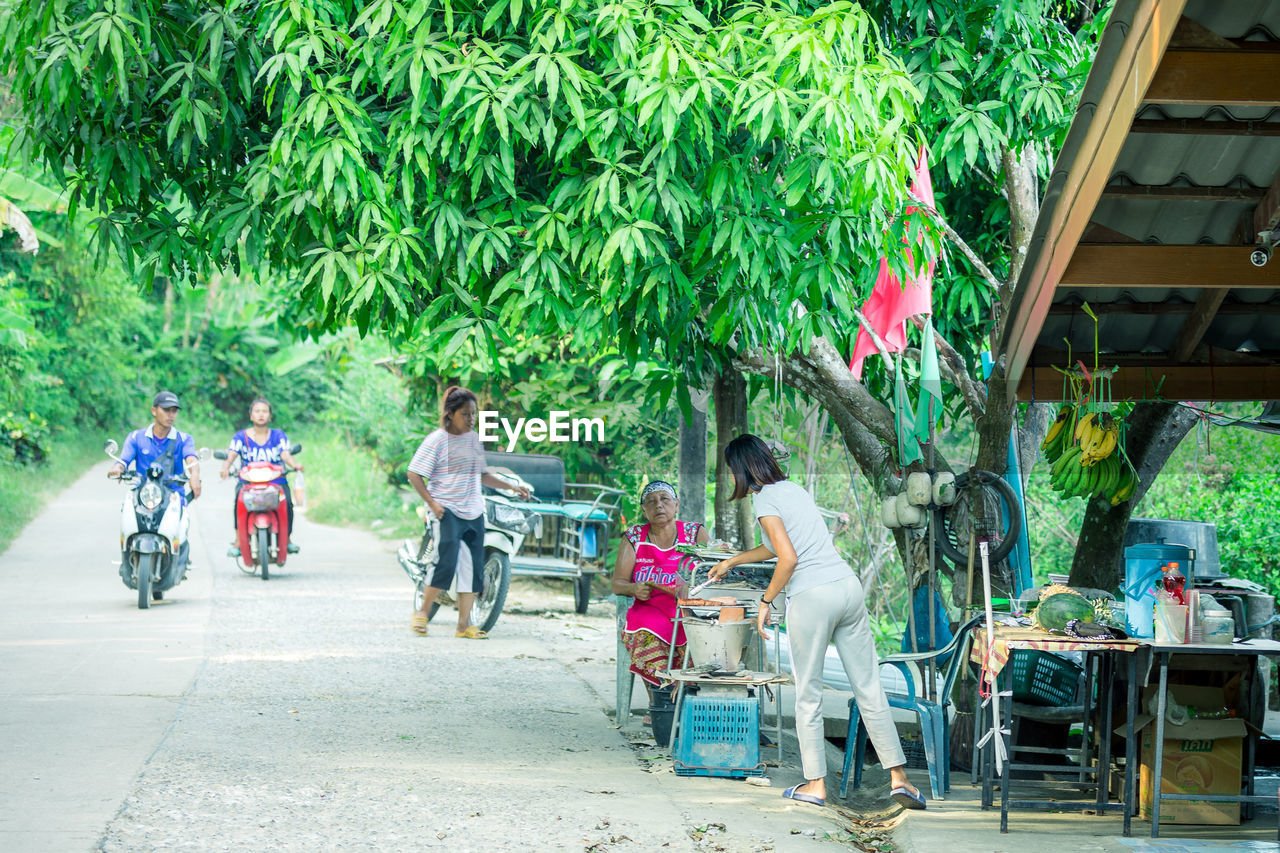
{"type": "Point", "coordinates": [168, 304]}
{"type": "Point", "coordinates": [1154, 432]}
{"type": "Point", "coordinates": [692, 465]}
{"type": "Point", "coordinates": [210, 303]}
{"type": "Point", "coordinates": [733, 519]}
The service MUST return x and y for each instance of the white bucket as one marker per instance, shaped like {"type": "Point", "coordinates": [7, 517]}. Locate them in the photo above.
{"type": "Point", "coordinates": [720, 644]}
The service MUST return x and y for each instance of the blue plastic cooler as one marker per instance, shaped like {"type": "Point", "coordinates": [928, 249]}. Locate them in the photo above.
{"type": "Point", "coordinates": [1142, 564]}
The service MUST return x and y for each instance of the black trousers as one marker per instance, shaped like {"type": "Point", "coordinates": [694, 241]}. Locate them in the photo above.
{"type": "Point", "coordinates": [454, 533]}
{"type": "Point", "coordinates": [288, 502]}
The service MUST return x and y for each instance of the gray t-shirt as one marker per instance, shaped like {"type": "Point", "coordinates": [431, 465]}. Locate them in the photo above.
{"type": "Point", "coordinates": [817, 560]}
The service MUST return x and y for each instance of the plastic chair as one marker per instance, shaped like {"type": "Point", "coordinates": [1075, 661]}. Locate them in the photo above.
{"type": "Point", "coordinates": [935, 729]}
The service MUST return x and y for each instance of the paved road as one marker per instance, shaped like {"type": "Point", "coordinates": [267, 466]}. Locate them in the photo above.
{"type": "Point", "coordinates": [301, 714]}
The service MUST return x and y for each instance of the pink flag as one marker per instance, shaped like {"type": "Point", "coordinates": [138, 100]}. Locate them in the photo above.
{"type": "Point", "coordinates": [890, 303]}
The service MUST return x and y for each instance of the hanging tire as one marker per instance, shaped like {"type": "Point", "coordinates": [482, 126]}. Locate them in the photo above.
{"type": "Point", "coordinates": [146, 570]}
{"type": "Point", "coordinates": [264, 552]}
{"type": "Point", "coordinates": [497, 581]}
{"type": "Point", "coordinates": [990, 504]}
{"type": "Point", "coordinates": [582, 593]}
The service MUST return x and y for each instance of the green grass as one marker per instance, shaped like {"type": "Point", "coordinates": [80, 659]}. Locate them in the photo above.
{"type": "Point", "coordinates": [349, 487]}
{"type": "Point", "coordinates": [25, 490]}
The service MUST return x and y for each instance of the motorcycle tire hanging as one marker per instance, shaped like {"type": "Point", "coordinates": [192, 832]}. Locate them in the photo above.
{"type": "Point", "coordinates": [986, 505]}
{"type": "Point", "coordinates": [264, 552]}
{"type": "Point", "coordinates": [145, 573]}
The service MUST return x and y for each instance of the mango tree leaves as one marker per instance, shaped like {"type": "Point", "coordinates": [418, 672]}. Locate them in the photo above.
{"type": "Point", "coordinates": [646, 173]}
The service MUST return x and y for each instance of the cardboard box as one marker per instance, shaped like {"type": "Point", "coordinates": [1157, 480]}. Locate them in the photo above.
{"type": "Point", "coordinates": [1202, 756]}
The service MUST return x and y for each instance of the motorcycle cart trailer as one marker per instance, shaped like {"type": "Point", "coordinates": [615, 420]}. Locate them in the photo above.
{"type": "Point", "coordinates": [577, 519]}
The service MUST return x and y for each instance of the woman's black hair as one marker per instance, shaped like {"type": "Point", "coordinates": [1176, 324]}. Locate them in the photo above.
{"type": "Point", "coordinates": [455, 397]}
{"type": "Point", "coordinates": [264, 400]}
{"type": "Point", "coordinates": [752, 465]}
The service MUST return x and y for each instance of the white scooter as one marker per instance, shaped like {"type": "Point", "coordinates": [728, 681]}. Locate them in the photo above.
{"type": "Point", "coordinates": [505, 527]}
{"type": "Point", "coordinates": [154, 550]}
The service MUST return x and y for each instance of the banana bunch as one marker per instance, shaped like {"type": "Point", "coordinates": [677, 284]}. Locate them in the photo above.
{"type": "Point", "coordinates": [1098, 433]}
{"type": "Point", "coordinates": [1086, 459]}
{"type": "Point", "coordinates": [1058, 438]}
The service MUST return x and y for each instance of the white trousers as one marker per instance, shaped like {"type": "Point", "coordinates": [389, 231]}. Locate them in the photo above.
{"type": "Point", "coordinates": [836, 613]}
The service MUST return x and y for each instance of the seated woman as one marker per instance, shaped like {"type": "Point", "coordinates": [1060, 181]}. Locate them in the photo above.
{"type": "Point", "coordinates": [648, 570]}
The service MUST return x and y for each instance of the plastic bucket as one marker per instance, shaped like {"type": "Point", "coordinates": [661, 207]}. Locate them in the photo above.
{"type": "Point", "coordinates": [720, 644]}
{"type": "Point", "coordinates": [662, 714]}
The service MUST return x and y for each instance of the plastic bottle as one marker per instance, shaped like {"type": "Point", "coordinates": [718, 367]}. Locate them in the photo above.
{"type": "Point", "coordinates": [1174, 582]}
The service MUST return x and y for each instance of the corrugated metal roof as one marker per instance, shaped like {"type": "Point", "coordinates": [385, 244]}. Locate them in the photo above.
{"type": "Point", "coordinates": [1184, 160]}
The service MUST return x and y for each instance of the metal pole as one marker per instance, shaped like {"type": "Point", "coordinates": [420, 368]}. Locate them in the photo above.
{"type": "Point", "coordinates": [996, 734]}
{"type": "Point", "coordinates": [931, 689]}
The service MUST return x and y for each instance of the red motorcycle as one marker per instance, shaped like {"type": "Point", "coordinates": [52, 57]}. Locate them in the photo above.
{"type": "Point", "coordinates": [262, 515]}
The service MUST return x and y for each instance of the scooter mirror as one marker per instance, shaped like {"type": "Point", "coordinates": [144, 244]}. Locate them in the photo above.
{"type": "Point", "coordinates": [219, 454]}
{"type": "Point", "coordinates": [110, 447]}
{"type": "Point", "coordinates": [296, 447]}
{"type": "Point", "coordinates": [204, 453]}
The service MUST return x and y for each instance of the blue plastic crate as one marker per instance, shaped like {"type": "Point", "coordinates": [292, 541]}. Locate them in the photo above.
{"type": "Point", "coordinates": [1043, 678]}
{"type": "Point", "coordinates": [718, 737]}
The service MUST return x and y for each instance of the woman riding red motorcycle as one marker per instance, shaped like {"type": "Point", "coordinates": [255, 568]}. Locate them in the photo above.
{"type": "Point", "coordinates": [261, 443]}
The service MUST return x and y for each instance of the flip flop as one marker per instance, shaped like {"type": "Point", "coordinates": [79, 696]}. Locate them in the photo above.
{"type": "Point", "coordinates": [908, 800]}
{"type": "Point", "coordinates": [793, 794]}
{"type": "Point", "coordinates": [418, 625]}
{"type": "Point", "coordinates": [471, 633]}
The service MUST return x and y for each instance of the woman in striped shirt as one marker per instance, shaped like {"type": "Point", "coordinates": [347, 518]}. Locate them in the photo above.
{"type": "Point", "coordinates": [447, 472]}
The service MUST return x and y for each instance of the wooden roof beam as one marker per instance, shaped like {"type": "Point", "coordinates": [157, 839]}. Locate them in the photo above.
{"type": "Point", "coordinates": [1180, 382]}
{"type": "Point", "coordinates": [1124, 265]}
{"type": "Point", "coordinates": [1228, 78]}
{"type": "Point", "coordinates": [1145, 192]}
{"type": "Point", "coordinates": [1165, 309]}
{"type": "Point", "coordinates": [1192, 331]}
{"type": "Point", "coordinates": [1267, 214]}
{"type": "Point", "coordinates": [1206, 127]}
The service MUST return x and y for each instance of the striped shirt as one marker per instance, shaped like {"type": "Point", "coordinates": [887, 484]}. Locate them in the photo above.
{"type": "Point", "coordinates": [452, 464]}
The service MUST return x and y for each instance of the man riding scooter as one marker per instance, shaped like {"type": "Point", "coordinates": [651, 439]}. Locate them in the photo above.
{"type": "Point", "coordinates": [173, 452]}
{"type": "Point", "coordinates": [161, 442]}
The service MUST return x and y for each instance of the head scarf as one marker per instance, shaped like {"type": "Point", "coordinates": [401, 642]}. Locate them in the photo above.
{"type": "Point", "coordinates": [658, 486]}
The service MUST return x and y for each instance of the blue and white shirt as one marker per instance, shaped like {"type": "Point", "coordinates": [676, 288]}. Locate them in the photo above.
{"type": "Point", "coordinates": [141, 447]}
{"type": "Point", "coordinates": [271, 450]}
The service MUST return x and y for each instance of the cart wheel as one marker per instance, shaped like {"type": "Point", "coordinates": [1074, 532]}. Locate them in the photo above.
{"type": "Point", "coordinates": [987, 506]}
{"type": "Point", "coordinates": [582, 593]}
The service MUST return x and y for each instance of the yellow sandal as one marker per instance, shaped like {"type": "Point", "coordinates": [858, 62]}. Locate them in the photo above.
{"type": "Point", "coordinates": [471, 633]}
{"type": "Point", "coordinates": [418, 625]}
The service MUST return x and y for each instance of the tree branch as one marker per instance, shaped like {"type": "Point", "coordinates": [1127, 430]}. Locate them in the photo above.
{"type": "Point", "coordinates": [881, 346]}
{"type": "Point", "coordinates": [965, 248]}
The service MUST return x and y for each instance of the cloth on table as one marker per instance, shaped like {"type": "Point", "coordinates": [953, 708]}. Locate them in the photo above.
{"type": "Point", "coordinates": [1008, 640]}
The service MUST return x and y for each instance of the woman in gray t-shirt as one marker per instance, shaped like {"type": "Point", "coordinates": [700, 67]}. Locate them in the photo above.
{"type": "Point", "coordinates": [825, 605]}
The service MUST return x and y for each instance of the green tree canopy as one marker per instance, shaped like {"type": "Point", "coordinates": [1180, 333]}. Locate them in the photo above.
{"type": "Point", "coordinates": [666, 174]}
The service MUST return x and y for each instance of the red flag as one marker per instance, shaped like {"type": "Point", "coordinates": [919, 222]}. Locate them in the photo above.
{"type": "Point", "coordinates": [890, 303]}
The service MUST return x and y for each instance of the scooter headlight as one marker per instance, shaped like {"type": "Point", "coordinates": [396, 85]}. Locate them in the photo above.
{"type": "Point", "coordinates": [533, 524]}
{"type": "Point", "coordinates": [150, 495]}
